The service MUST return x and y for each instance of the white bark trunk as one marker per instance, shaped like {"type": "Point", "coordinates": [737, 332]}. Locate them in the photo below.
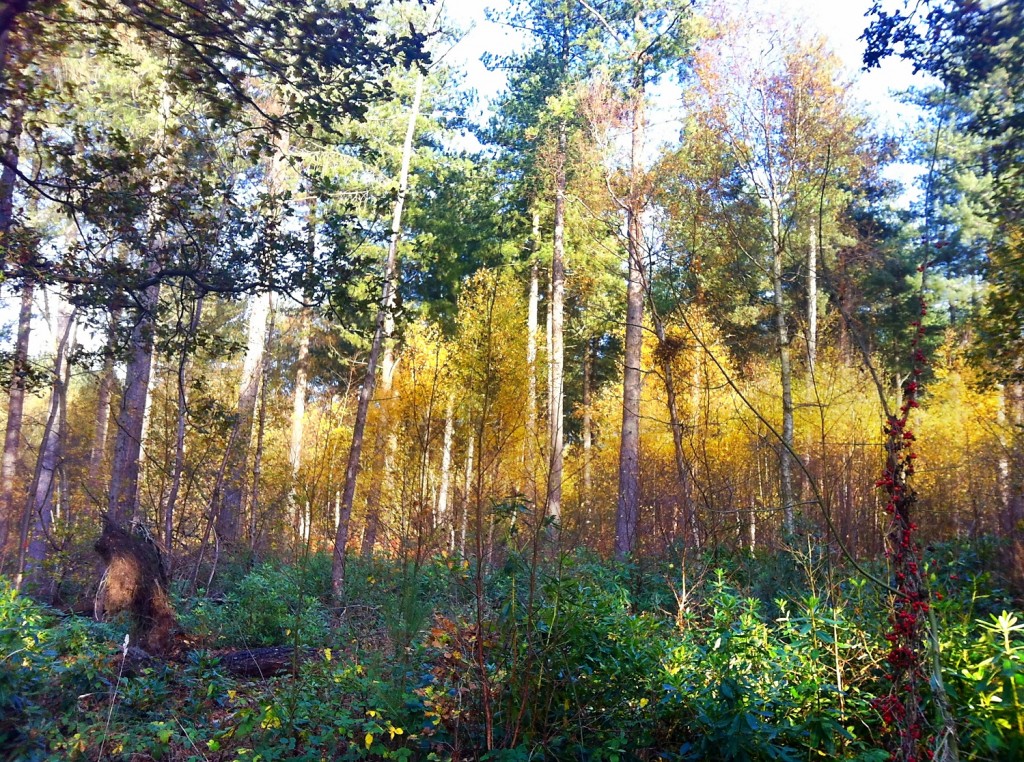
{"type": "Point", "coordinates": [443, 521]}
{"type": "Point", "coordinates": [531, 362]}
{"type": "Point", "coordinates": [628, 508]}
{"type": "Point", "coordinates": [812, 300]}
{"type": "Point", "coordinates": [557, 359]}
{"type": "Point", "coordinates": [782, 339]}
{"type": "Point", "coordinates": [37, 522]}
{"type": "Point", "coordinates": [466, 491]}
{"type": "Point", "coordinates": [299, 420]}
{"type": "Point", "coordinates": [233, 503]}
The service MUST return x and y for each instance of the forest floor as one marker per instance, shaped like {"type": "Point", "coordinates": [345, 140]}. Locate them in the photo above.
{"type": "Point", "coordinates": [711, 656]}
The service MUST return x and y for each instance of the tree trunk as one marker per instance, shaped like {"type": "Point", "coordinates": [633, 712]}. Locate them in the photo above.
{"type": "Point", "coordinates": [16, 400]}
{"type": "Point", "coordinates": [812, 300]}
{"type": "Point", "coordinates": [588, 433]}
{"type": "Point", "coordinates": [257, 458]}
{"type": "Point", "coordinates": [686, 509]}
{"type": "Point", "coordinates": [97, 454]}
{"type": "Point", "coordinates": [443, 510]}
{"type": "Point", "coordinates": [15, 415]}
{"type": "Point", "coordinates": [628, 508]}
{"type": "Point", "coordinates": [531, 364]}
{"type": "Point", "coordinates": [179, 438]}
{"type": "Point", "coordinates": [782, 339]}
{"type": "Point", "coordinates": [233, 504]}
{"type": "Point", "coordinates": [467, 489]}
{"type": "Point", "coordinates": [37, 520]}
{"type": "Point", "coordinates": [124, 471]}
{"type": "Point", "coordinates": [366, 390]}
{"type": "Point", "coordinates": [557, 358]}
{"type": "Point", "coordinates": [384, 448]}
{"type": "Point", "coordinates": [1013, 509]}
{"type": "Point", "coordinates": [298, 416]}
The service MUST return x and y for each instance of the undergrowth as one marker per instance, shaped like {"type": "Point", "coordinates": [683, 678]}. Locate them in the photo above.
{"type": "Point", "coordinates": [686, 658]}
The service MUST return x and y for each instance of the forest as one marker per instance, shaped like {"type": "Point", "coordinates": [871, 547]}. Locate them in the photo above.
{"type": "Point", "coordinates": [644, 417]}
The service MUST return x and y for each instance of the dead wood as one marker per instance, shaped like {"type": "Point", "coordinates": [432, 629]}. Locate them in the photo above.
{"type": "Point", "coordinates": [265, 662]}
{"type": "Point", "coordinates": [134, 580]}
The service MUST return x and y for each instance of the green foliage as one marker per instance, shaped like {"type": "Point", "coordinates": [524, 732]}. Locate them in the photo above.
{"type": "Point", "coordinates": [577, 659]}
{"type": "Point", "coordinates": [271, 605]}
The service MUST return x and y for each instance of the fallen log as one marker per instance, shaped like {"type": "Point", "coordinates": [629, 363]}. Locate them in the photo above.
{"type": "Point", "coordinates": [265, 662]}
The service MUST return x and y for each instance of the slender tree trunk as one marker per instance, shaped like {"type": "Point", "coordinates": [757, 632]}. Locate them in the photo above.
{"type": "Point", "coordinates": [466, 491]}
{"type": "Point", "coordinates": [16, 399]}
{"type": "Point", "coordinates": [233, 503]}
{"type": "Point", "coordinates": [298, 416]}
{"type": "Point", "coordinates": [97, 455]}
{"type": "Point", "coordinates": [628, 509]}
{"type": "Point", "coordinates": [15, 415]}
{"type": "Point", "coordinates": [9, 172]}
{"type": "Point", "coordinates": [588, 429]}
{"type": "Point", "coordinates": [37, 520]}
{"type": "Point", "coordinates": [443, 509]}
{"type": "Point", "coordinates": [179, 437]}
{"type": "Point", "coordinates": [557, 359]}
{"type": "Point", "coordinates": [548, 339]}
{"type": "Point", "coordinates": [686, 507]}
{"type": "Point", "coordinates": [782, 339]}
{"type": "Point", "coordinates": [366, 391]}
{"type": "Point", "coordinates": [257, 458]}
{"type": "Point", "coordinates": [531, 363]}
{"type": "Point", "coordinates": [1013, 512]}
{"type": "Point", "coordinates": [812, 300]}
{"type": "Point", "coordinates": [385, 445]}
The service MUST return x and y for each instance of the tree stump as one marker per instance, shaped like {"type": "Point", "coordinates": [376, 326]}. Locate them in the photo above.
{"type": "Point", "coordinates": [135, 581]}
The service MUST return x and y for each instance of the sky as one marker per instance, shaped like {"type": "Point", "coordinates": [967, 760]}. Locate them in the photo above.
{"type": "Point", "coordinates": [841, 21]}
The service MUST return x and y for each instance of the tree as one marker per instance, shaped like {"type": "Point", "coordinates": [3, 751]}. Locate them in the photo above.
{"type": "Point", "coordinates": [648, 39]}
{"type": "Point", "coordinates": [778, 106]}
{"type": "Point", "coordinates": [387, 306]}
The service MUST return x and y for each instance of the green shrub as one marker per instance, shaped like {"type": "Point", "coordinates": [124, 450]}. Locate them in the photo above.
{"type": "Point", "coordinates": [269, 606]}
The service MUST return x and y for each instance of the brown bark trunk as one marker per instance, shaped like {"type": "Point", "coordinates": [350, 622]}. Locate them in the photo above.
{"type": "Point", "coordinates": [15, 415]}
{"type": "Point", "coordinates": [124, 472]}
{"type": "Point", "coordinates": [1013, 512]}
{"type": "Point", "coordinates": [384, 448]}
{"type": "Point", "coordinates": [366, 390]}
{"type": "Point", "coordinates": [16, 400]}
